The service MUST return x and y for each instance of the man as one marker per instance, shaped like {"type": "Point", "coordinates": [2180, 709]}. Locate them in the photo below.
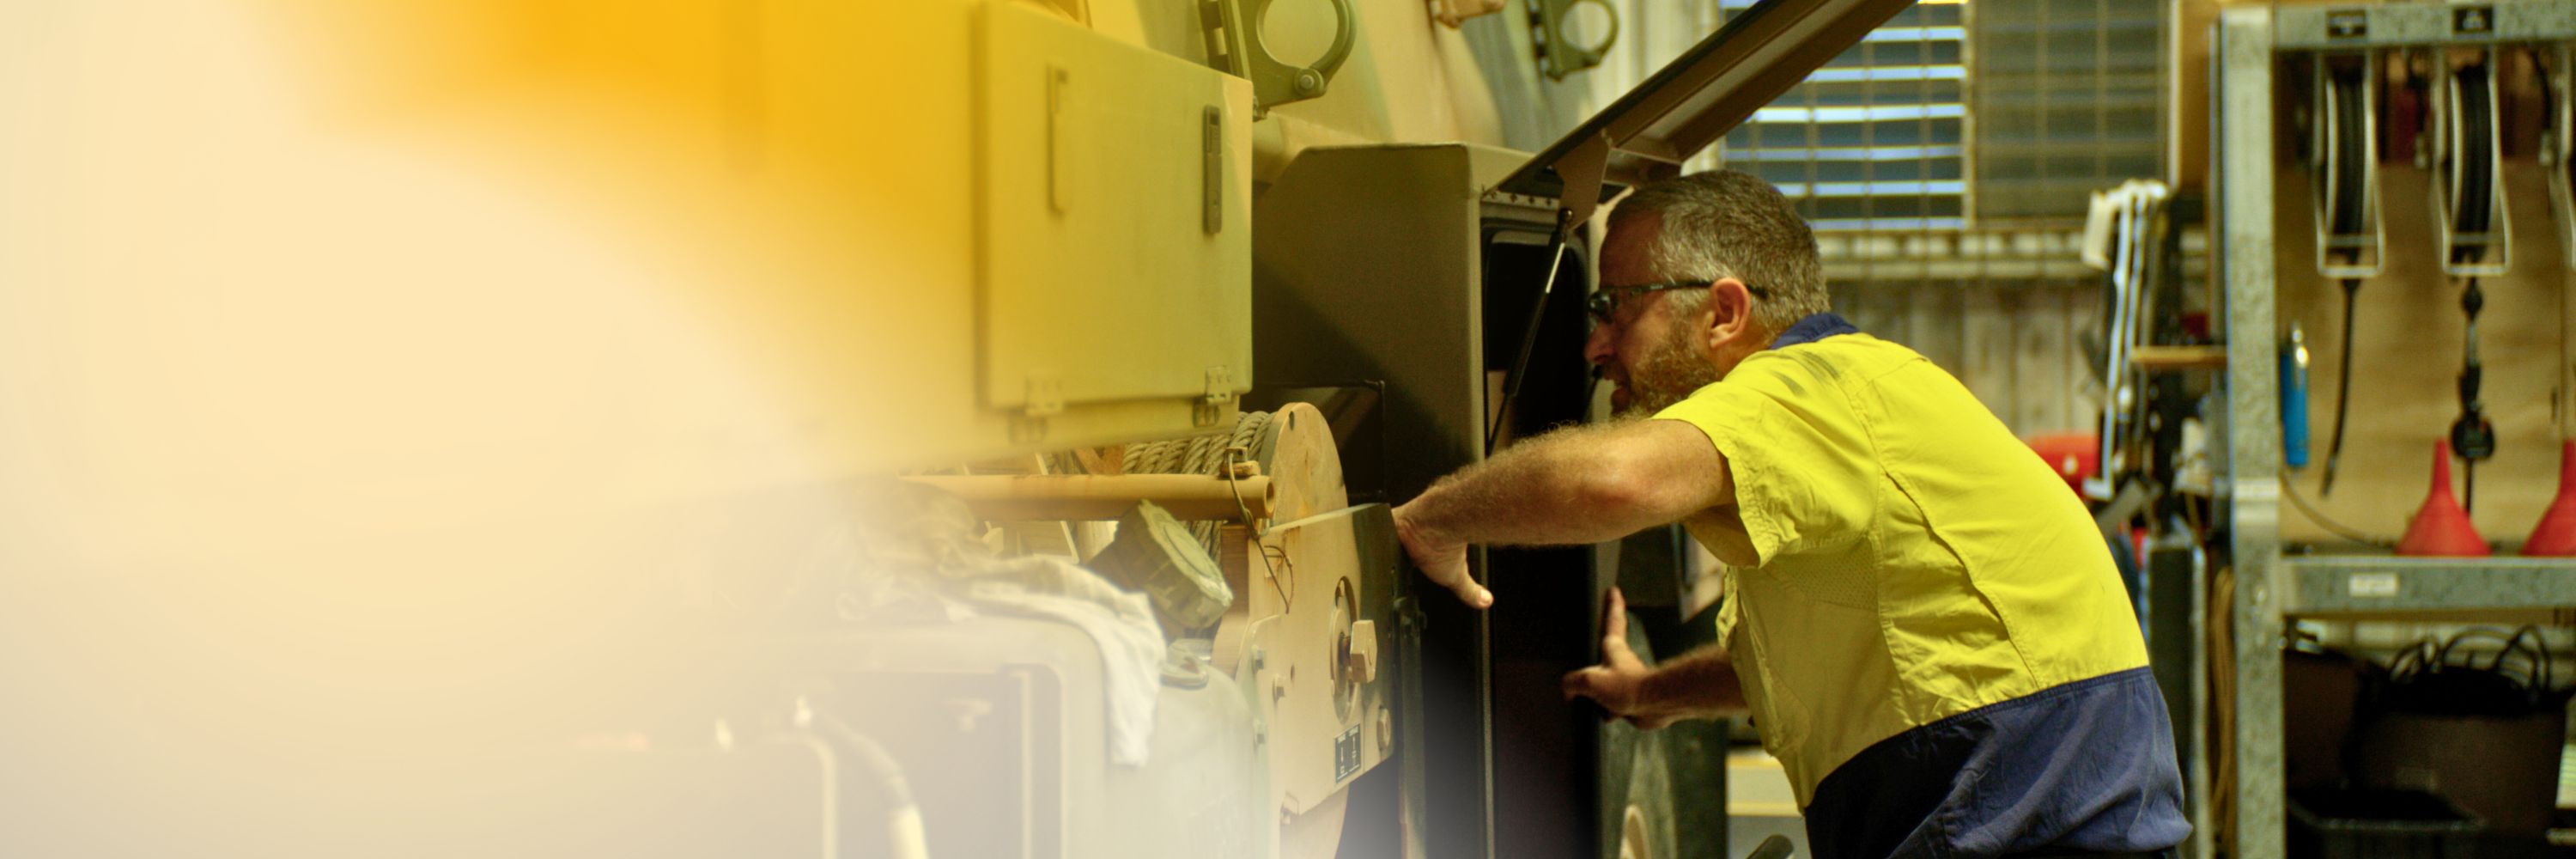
{"type": "Point", "coordinates": [1923, 623]}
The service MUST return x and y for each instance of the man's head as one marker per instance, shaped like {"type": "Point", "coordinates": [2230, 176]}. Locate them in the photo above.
{"type": "Point", "coordinates": [1700, 272]}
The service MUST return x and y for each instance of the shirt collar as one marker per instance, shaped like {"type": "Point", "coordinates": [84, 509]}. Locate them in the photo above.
{"type": "Point", "coordinates": [1816, 326]}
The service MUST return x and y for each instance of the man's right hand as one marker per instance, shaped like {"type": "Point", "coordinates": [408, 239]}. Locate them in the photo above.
{"type": "Point", "coordinates": [1443, 561]}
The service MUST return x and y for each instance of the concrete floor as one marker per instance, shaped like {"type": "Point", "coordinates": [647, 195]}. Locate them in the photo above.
{"type": "Point", "coordinates": [1758, 802]}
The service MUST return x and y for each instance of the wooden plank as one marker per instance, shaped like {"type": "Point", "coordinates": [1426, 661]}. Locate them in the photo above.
{"type": "Point", "coordinates": [2039, 360]}
{"type": "Point", "coordinates": [2083, 385]}
{"type": "Point", "coordinates": [1932, 324]}
{"type": "Point", "coordinates": [2179, 357]}
{"type": "Point", "coordinates": [1870, 308]}
{"type": "Point", "coordinates": [1986, 348]}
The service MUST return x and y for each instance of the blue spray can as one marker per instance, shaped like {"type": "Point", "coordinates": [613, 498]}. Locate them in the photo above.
{"type": "Point", "coordinates": [2294, 398]}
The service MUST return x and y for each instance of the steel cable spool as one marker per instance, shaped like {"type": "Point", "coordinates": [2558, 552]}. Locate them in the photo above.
{"type": "Point", "coordinates": [1202, 454]}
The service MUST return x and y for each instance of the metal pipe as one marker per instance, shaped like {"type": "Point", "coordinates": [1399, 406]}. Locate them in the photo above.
{"type": "Point", "coordinates": [1050, 497]}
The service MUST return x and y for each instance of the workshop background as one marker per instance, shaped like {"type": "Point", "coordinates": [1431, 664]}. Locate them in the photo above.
{"type": "Point", "coordinates": [967, 427]}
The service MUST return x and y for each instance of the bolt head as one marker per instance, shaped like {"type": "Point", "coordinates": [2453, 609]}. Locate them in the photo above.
{"type": "Point", "coordinates": [1308, 82]}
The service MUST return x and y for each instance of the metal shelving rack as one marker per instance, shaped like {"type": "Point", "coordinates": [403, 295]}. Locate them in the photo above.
{"type": "Point", "coordinates": [2270, 588]}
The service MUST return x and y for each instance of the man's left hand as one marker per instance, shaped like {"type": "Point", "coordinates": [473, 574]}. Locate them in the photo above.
{"type": "Point", "coordinates": [1619, 682]}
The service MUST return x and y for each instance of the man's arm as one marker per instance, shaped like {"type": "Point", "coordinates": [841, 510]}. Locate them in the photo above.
{"type": "Point", "coordinates": [1574, 485]}
{"type": "Point", "coordinates": [1700, 684]}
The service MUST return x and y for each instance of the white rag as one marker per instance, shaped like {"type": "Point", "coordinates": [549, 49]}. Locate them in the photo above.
{"type": "Point", "coordinates": [1120, 621]}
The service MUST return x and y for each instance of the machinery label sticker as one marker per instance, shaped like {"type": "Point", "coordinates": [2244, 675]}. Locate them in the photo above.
{"type": "Point", "coordinates": [1346, 753]}
{"type": "Point", "coordinates": [2372, 585]}
{"type": "Point", "coordinates": [2472, 20]}
{"type": "Point", "coordinates": [2347, 24]}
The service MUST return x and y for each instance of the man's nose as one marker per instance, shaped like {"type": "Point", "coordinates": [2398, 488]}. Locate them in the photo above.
{"type": "Point", "coordinates": [1597, 346]}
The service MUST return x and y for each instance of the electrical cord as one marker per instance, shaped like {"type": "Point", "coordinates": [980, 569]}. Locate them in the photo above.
{"type": "Point", "coordinates": [1252, 532]}
{"type": "Point", "coordinates": [2340, 530]}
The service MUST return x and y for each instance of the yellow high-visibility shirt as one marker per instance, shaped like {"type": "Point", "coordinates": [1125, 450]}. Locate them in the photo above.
{"type": "Point", "coordinates": [1903, 559]}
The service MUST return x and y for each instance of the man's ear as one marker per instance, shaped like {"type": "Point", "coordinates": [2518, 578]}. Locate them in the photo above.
{"type": "Point", "coordinates": [1730, 308]}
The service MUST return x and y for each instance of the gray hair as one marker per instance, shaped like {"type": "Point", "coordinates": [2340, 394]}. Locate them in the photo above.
{"type": "Point", "coordinates": [1726, 223]}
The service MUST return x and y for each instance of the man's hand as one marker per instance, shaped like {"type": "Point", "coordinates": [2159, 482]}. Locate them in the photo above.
{"type": "Point", "coordinates": [1443, 561]}
{"type": "Point", "coordinates": [1618, 683]}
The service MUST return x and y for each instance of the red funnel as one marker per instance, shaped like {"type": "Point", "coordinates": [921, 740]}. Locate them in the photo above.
{"type": "Point", "coordinates": [2440, 527]}
{"type": "Point", "coordinates": [2556, 533]}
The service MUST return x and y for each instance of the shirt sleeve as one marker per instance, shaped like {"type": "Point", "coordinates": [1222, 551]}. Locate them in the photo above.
{"type": "Point", "coordinates": [1804, 466]}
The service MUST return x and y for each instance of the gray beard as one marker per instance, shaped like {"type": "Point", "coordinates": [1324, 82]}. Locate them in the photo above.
{"type": "Point", "coordinates": [1668, 376]}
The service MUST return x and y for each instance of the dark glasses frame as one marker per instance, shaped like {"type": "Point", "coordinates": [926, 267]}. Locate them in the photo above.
{"type": "Point", "coordinates": [1604, 302]}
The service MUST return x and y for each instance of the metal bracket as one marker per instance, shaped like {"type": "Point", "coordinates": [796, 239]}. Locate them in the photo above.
{"type": "Point", "coordinates": [1233, 32]}
{"type": "Point", "coordinates": [1558, 55]}
{"type": "Point", "coordinates": [1582, 171]}
{"type": "Point", "coordinates": [1214, 397]}
{"type": "Point", "coordinates": [1046, 394]}
{"type": "Point", "coordinates": [1045, 399]}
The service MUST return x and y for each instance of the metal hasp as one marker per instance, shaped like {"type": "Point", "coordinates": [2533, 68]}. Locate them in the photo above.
{"type": "Point", "coordinates": [1558, 55]}
{"type": "Point", "coordinates": [1697, 98]}
{"type": "Point", "coordinates": [1234, 45]}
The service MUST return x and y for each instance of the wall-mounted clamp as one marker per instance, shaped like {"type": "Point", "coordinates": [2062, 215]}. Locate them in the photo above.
{"type": "Point", "coordinates": [1558, 55]}
{"type": "Point", "coordinates": [1234, 46]}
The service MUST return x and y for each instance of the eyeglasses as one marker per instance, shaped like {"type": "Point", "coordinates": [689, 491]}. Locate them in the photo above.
{"type": "Point", "coordinates": [1604, 303]}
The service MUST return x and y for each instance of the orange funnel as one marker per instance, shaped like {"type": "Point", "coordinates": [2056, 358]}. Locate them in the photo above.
{"type": "Point", "coordinates": [2440, 527]}
{"type": "Point", "coordinates": [2556, 533]}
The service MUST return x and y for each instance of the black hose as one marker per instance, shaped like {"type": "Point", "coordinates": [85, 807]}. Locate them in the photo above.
{"type": "Point", "coordinates": [2343, 389]}
{"type": "Point", "coordinates": [2348, 213]}
{"type": "Point", "coordinates": [2472, 436]}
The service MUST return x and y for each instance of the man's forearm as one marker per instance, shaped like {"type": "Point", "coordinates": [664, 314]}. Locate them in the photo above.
{"type": "Point", "coordinates": [1700, 684]}
{"type": "Point", "coordinates": [1561, 488]}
